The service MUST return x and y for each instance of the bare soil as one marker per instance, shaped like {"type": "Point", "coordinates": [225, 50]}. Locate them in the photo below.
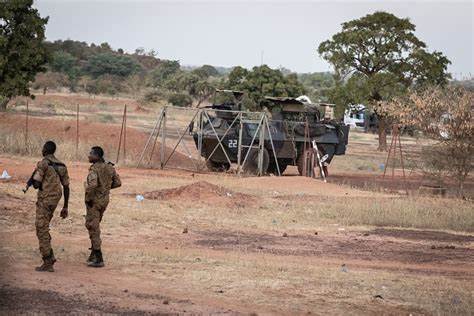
{"type": "Point", "coordinates": [202, 192]}
{"type": "Point", "coordinates": [241, 252]}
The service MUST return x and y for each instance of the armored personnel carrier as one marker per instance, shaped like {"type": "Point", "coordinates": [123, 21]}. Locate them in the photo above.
{"type": "Point", "coordinates": [293, 124]}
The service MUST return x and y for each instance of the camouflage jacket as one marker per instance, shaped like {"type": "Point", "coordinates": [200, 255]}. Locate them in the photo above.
{"type": "Point", "coordinates": [52, 174]}
{"type": "Point", "coordinates": [101, 179]}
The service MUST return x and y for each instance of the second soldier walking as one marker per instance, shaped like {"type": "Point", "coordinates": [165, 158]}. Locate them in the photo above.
{"type": "Point", "coordinates": [101, 179]}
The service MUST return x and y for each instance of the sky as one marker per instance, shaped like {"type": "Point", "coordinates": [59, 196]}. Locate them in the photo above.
{"type": "Point", "coordinates": [229, 33]}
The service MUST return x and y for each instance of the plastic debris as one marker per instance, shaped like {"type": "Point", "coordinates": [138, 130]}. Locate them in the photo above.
{"type": "Point", "coordinates": [139, 197]}
{"type": "Point", "coordinates": [344, 268]}
{"type": "Point", "coordinates": [5, 175]}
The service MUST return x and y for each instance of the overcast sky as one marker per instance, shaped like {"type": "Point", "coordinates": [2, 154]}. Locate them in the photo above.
{"type": "Point", "coordinates": [229, 33]}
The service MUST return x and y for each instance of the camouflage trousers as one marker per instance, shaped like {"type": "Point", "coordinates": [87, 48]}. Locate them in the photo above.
{"type": "Point", "coordinates": [95, 211]}
{"type": "Point", "coordinates": [44, 213]}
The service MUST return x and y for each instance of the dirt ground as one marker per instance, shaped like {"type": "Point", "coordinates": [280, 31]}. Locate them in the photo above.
{"type": "Point", "coordinates": [208, 243]}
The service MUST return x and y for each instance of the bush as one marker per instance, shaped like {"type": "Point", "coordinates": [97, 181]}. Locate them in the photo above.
{"type": "Point", "coordinates": [180, 99]}
{"type": "Point", "coordinates": [153, 96]}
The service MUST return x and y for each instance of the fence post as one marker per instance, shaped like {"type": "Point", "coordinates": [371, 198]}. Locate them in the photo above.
{"type": "Point", "coordinates": [77, 131]}
{"type": "Point", "coordinates": [261, 147]}
{"type": "Point", "coordinates": [125, 133]}
{"type": "Point", "coordinates": [26, 125]}
{"type": "Point", "coordinates": [239, 148]}
{"type": "Point", "coordinates": [163, 140]}
{"type": "Point", "coordinates": [121, 133]}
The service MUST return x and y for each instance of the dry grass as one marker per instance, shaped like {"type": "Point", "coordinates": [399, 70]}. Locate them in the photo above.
{"type": "Point", "coordinates": [135, 235]}
{"type": "Point", "coordinates": [14, 143]}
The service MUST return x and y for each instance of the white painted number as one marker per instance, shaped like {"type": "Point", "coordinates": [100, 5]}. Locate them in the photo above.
{"type": "Point", "coordinates": [232, 143]}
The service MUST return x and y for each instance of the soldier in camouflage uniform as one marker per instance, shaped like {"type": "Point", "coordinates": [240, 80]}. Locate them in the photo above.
{"type": "Point", "coordinates": [101, 179]}
{"type": "Point", "coordinates": [50, 174]}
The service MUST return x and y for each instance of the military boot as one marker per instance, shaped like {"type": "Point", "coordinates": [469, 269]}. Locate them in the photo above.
{"type": "Point", "coordinates": [98, 261]}
{"type": "Point", "coordinates": [48, 262]}
{"type": "Point", "coordinates": [91, 256]}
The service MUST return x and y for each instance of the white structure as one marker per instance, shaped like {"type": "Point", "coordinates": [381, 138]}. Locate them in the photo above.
{"type": "Point", "coordinates": [355, 116]}
{"type": "Point", "coordinates": [304, 99]}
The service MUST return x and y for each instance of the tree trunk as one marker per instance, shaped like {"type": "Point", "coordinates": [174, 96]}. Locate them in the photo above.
{"type": "Point", "coordinates": [3, 104]}
{"type": "Point", "coordinates": [382, 135]}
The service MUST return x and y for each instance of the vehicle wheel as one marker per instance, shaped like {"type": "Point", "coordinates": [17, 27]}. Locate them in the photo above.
{"type": "Point", "coordinates": [251, 165]}
{"type": "Point", "coordinates": [300, 163]}
{"type": "Point", "coordinates": [217, 166]}
{"type": "Point", "coordinates": [273, 169]}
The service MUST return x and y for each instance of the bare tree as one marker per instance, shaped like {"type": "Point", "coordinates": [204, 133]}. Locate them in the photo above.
{"type": "Point", "coordinates": [446, 116]}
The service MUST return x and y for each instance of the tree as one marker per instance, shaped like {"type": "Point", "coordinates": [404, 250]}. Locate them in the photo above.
{"type": "Point", "coordinates": [111, 64]}
{"type": "Point", "coordinates": [180, 99]}
{"type": "Point", "coordinates": [62, 61]}
{"type": "Point", "coordinates": [263, 81]}
{"type": "Point", "coordinates": [206, 71]}
{"type": "Point", "coordinates": [195, 86]}
{"type": "Point", "coordinates": [387, 58]}
{"type": "Point", "coordinates": [49, 80]}
{"type": "Point", "coordinates": [65, 63]}
{"type": "Point", "coordinates": [22, 52]}
{"type": "Point", "coordinates": [446, 116]}
{"type": "Point", "coordinates": [163, 72]}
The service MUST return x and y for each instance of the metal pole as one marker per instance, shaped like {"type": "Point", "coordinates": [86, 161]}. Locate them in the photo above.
{"type": "Point", "coordinates": [315, 147]}
{"type": "Point", "coordinates": [251, 143]}
{"type": "Point", "coordinates": [26, 124]}
{"type": "Point", "coordinates": [163, 140]}
{"type": "Point", "coordinates": [261, 147]}
{"type": "Point", "coordinates": [77, 131]}
{"type": "Point", "coordinates": [388, 157]}
{"type": "Point", "coordinates": [273, 147]}
{"type": "Point", "coordinates": [120, 138]}
{"type": "Point", "coordinates": [125, 133]}
{"type": "Point", "coordinates": [222, 138]}
{"type": "Point", "coordinates": [149, 139]}
{"type": "Point", "coordinates": [179, 140]}
{"type": "Point", "coordinates": [200, 126]}
{"type": "Point", "coordinates": [239, 149]}
{"type": "Point", "coordinates": [160, 120]}
{"type": "Point", "coordinates": [218, 140]}
{"type": "Point", "coordinates": [394, 136]}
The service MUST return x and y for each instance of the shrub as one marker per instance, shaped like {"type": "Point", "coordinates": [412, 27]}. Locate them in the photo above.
{"type": "Point", "coordinates": [180, 99]}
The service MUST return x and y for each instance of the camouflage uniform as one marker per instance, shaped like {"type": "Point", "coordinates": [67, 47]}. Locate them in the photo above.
{"type": "Point", "coordinates": [101, 179]}
{"type": "Point", "coordinates": [52, 174]}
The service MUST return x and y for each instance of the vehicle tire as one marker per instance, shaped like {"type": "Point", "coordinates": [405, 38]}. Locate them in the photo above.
{"type": "Point", "coordinates": [300, 162]}
{"type": "Point", "coordinates": [217, 166]}
{"type": "Point", "coordinates": [251, 165]}
{"type": "Point", "coordinates": [273, 169]}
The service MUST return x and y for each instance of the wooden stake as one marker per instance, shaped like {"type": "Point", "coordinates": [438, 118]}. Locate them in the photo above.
{"type": "Point", "coordinates": [125, 133]}
{"type": "Point", "coordinates": [77, 131]}
{"type": "Point", "coordinates": [121, 133]}
{"type": "Point", "coordinates": [26, 125]}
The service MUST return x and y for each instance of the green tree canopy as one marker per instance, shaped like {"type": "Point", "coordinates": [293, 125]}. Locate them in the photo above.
{"type": "Point", "coordinates": [263, 81]}
{"type": "Point", "coordinates": [206, 71]}
{"type": "Point", "coordinates": [163, 72]}
{"type": "Point", "coordinates": [22, 52]}
{"type": "Point", "coordinates": [62, 62]}
{"type": "Point", "coordinates": [384, 55]}
{"type": "Point", "coordinates": [111, 64]}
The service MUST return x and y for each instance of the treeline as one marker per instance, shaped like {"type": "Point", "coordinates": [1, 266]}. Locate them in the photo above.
{"type": "Point", "coordinates": [99, 69]}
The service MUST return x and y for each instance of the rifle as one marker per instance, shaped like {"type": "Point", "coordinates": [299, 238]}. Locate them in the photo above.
{"type": "Point", "coordinates": [31, 182]}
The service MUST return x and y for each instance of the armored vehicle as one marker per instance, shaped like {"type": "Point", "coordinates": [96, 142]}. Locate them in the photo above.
{"type": "Point", "coordinates": [293, 124]}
